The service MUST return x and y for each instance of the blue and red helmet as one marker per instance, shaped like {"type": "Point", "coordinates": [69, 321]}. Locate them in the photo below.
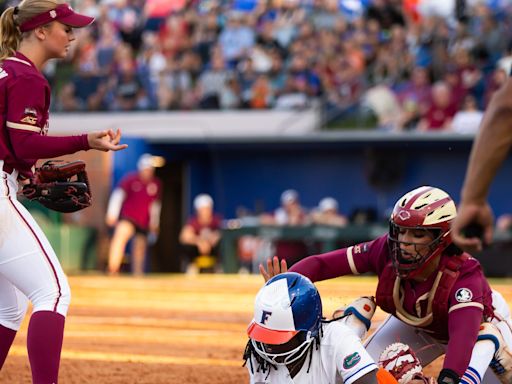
{"type": "Point", "coordinates": [288, 306]}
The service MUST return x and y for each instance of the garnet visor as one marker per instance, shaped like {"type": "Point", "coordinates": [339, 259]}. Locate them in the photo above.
{"type": "Point", "coordinates": [62, 13]}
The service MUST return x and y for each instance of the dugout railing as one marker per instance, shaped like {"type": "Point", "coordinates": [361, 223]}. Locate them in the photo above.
{"type": "Point", "coordinates": [496, 259]}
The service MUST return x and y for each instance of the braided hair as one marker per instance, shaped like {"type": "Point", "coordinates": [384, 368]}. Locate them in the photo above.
{"type": "Point", "coordinates": [265, 366]}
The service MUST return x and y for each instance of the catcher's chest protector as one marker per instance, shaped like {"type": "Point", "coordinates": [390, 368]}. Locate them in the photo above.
{"type": "Point", "coordinates": [388, 297]}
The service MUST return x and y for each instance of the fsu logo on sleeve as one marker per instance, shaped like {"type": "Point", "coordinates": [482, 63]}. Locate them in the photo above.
{"type": "Point", "coordinates": [463, 295]}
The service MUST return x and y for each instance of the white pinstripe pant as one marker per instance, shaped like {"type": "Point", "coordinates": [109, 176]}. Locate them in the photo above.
{"type": "Point", "coordinates": [29, 268]}
{"type": "Point", "coordinates": [428, 349]}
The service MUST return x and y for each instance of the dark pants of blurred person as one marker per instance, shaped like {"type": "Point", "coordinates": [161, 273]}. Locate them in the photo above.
{"type": "Point", "coordinates": [194, 262]}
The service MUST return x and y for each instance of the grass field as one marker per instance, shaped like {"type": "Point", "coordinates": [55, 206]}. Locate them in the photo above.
{"type": "Point", "coordinates": [167, 328]}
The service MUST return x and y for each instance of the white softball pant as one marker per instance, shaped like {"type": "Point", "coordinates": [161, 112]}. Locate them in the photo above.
{"type": "Point", "coordinates": [29, 268]}
{"type": "Point", "coordinates": [428, 349]}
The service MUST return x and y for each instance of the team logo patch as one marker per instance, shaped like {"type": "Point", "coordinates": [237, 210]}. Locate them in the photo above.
{"type": "Point", "coordinates": [30, 111]}
{"type": "Point", "coordinates": [463, 295]}
{"type": "Point", "coordinates": [29, 120]}
{"type": "Point", "coordinates": [360, 248]}
{"type": "Point", "coordinates": [351, 360]}
{"type": "Point", "coordinates": [404, 215]}
{"type": "Point", "coordinates": [3, 73]}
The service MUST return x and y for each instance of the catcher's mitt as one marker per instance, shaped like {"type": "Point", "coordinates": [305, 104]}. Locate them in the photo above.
{"type": "Point", "coordinates": [401, 361]}
{"type": "Point", "coordinates": [60, 185]}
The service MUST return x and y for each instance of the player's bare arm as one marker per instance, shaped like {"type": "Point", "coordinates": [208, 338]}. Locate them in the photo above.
{"type": "Point", "coordinates": [490, 148]}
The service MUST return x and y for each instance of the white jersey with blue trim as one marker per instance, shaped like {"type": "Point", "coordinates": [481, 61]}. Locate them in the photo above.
{"type": "Point", "coordinates": [341, 359]}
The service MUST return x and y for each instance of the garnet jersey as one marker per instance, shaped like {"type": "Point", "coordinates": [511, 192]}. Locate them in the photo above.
{"type": "Point", "coordinates": [214, 225]}
{"type": "Point", "coordinates": [25, 103]}
{"type": "Point", "coordinates": [469, 298]}
{"type": "Point", "coordinates": [139, 195]}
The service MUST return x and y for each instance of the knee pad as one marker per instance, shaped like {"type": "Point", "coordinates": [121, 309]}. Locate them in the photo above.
{"type": "Point", "coordinates": [501, 363]}
{"type": "Point", "coordinates": [359, 312]}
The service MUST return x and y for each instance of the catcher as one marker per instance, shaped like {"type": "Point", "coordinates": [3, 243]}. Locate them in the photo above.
{"type": "Point", "coordinates": [290, 341]}
{"type": "Point", "coordinates": [438, 298]}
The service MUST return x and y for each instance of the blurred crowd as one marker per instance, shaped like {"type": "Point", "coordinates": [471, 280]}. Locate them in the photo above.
{"type": "Point", "coordinates": [409, 64]}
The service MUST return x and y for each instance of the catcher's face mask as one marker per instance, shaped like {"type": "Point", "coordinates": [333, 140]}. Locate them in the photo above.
{"type": "Point", "coordinates": [284, 354]}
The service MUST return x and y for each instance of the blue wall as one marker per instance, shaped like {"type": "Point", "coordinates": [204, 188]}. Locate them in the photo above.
{"type": "Point", "coordinates": [253, 175]}
{"type": "Point", "coordinates": [126, 161]}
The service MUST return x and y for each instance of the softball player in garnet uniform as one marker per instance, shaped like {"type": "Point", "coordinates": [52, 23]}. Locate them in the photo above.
{"type": "Point", "coordinates": [30, 34]}
{"type": "Point", "coordinates": [134, 209]}
{"type": "Point", "coordinates": [439, 298]}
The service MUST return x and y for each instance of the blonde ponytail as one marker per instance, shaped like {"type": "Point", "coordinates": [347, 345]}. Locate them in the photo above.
{"type": "Point", "coordinates": [10, 34]}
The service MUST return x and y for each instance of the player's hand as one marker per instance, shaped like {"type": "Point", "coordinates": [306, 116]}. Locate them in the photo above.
{"type": "Point", "coordinates": [274, 267]}
{"type": "Point", "coordinates": [105, 141]}
{"type": "Point", "coordinates": [477, 214]}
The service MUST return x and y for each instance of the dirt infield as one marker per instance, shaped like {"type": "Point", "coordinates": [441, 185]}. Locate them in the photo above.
{"type": "Point", "coordinates": [170, 329]}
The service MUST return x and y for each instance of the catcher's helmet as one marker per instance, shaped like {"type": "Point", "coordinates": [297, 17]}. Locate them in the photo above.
{"type": "Point", "coordinates": [287, 318]}
{"type": "Point", "coordinates": [424, 208]}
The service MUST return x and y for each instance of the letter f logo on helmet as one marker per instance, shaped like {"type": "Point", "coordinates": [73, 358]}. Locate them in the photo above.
{"type": "Point", "coordinates": [264, 316]}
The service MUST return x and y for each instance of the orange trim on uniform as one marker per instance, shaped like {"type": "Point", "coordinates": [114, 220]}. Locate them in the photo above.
{"type": "Point", "coordinates": [384, 377]}
{"type": "Point", "coordinates": [269, 336]}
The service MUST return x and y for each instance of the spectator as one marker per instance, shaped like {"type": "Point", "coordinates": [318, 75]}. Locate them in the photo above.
{"type": "Point", "coordinates": [200, 237]}
{"type": "Point", "coordinates": [236, 39]}
{"type": "Point", "coordinates": [504, 223]}
{"type": "Point", "coordinates": [174, 35]}
{"type": "Point", "coordinates": [327, 213]}
{"type": "Point", "coordinates": [127, 88]}
{"type": "Point", "coordinates": [441, 110]}
{"type": "Point", "coordinates": [290, 213]}
{"type": "Point", "coordinates": [134, 212]}
{"type": "Point", "coordinates": [468, 118]}
{"type": "Point", "coordinates": [384, 104]}
{"type": "Point", "coordinates": [414, 97]}
{"type": "Point", "coordinates": [261, 94]}
{"type": "Point", "coordinates": [212, 82]}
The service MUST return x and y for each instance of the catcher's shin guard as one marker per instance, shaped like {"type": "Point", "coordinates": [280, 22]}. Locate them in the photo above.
{"type": "Point", "coordinates": [501, 363]}
{"type": "Point", "coordinates": [358, 314]}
